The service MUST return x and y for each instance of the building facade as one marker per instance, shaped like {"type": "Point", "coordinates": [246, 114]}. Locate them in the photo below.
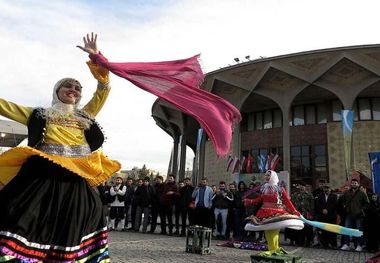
{"type": "Point", "coordinates": [291, 106]}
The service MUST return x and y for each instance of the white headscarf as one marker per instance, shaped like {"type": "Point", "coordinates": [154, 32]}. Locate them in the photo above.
{"type": "Point", "coordinates": [273, 180]}
{"type": "Point", "coordinates": [272, 184]}
{"type": "Point", "coordinates": [57, 86]}
{"type": "Point", "coordinates": [61, 109]}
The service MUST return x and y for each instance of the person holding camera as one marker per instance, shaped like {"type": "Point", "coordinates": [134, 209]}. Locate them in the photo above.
{"type": "Point", "coordinates": [222, 200]}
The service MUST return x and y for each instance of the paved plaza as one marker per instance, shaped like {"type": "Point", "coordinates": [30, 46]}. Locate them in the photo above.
{"type": "Point", "coordinates": [149, 248]}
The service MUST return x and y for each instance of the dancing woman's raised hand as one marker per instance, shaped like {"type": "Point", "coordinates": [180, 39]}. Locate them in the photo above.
{"type": "Point", "coordinates": [90, 45]}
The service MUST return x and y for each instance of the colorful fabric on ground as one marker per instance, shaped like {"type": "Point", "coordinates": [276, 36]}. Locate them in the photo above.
{"type": "Point", "coordinates": [93, 248]}
{"type": "Point", "coordinates": [244, 245]}
{"type": "Point", "coordinates": [178, 82]}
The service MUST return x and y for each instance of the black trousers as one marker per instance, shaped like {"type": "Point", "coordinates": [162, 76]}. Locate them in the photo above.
{"type": "Point", "coordinates": [167, 214]}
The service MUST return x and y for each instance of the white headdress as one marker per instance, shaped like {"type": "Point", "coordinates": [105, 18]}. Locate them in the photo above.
{"type": "Point", "coordinates": [59, 108]}
{"type": "Point", "coordinates": [272, 184]}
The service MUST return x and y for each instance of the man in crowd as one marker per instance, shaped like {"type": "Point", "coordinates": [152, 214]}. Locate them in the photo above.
{"type": "Point", "coordinates": [143, 197]}
{"type": "Point", "coordinates": [326, 206]}
{"type": "Point", "coordinates": [128, 201]}
{"type": "Point", "coordinates": [221, 201]}
{"type": "Point", "coordinates": [230, 216]}
{"type": "Point", "coordinates": [178, 208]}
{"type": "Point", "coordinates": [354, 202]}
{"type": "Point", "coordinates": [167, 199]}
{"type": "Point", "coordinates": [304, 203]}
{"type": "Point", "coordinates": [185, 199]}
{"type": "Point", "coordinates": [155, 211]}
{"type": "Point", "coordinates": [203, 203]}
{"type": "Point", "coordinates": [117, 192]}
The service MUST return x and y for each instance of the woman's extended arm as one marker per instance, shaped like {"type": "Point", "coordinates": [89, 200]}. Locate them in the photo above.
{"type": "Point", "coordinates": [101, 74]}
{"type": "Point", "coordinates": [14, 111]}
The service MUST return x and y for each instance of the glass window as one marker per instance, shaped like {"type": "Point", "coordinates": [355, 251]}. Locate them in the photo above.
{"type": "Point", "coordinates": [364, 109]}
{"type": "Point", "coordinates": [290, 119]}
{"type": "Point", "coordinates": [295, 151]}
{"type": "Point", "coordinates": [296, 161]}
{"type": "Point", "coordinates": [298, 118]}
{"type": "Point", "coordinates": [321, 172]}
{"type": "Point", "coordinates": [320, 161]}
{"type": "Point", "coordinates": [321, 113]}
{"type": "Point", "coordinates": [259, 120]}
{"type": "Point", "coordinates": [268, 119]}
{"type": "Point", "coordinates": [376, 108]}
{"type": "Point", "coordinates": [310, 114]}
{"type": "Point", "coordinates": [306, 161]}
{"type": "Point", "coordinates": [277, 119]}
{"type": "Point", "coordinates": [251, 122]}
{"type": "Point", "coordinates": [337, 110]}
{"type": "Point", "coordinates": [320, 150]}
{"type": "Point", "coordinates": [305, 150]}
{"type": "Point", "coordinates": [355, 109]}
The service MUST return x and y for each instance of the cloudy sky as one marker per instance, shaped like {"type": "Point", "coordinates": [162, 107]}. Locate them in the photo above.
{"type": "Point", "coordinates": [38, 39]}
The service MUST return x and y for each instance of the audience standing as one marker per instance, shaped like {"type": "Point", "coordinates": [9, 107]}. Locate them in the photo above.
{"type": "Point", "coordinates": [354, 202]}
{"type": "Point", "coordinates": [221, 201]}
{"type": "Point", "coordinates": [203, 203]}
{"type": "Point", "coordinates": [167, 199]}
{"type": "Point", "coordinates": [117, 192]}
{"type": "Point", "coordinates": [326, 207]}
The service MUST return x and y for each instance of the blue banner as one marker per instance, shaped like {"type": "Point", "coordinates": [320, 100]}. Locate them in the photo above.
{"type": "Point", "coordinates": [197, 156]}
{"type": "Point", "coordinates": [347, 124]}
{"type": "Point", "coordinates": [374, 159]}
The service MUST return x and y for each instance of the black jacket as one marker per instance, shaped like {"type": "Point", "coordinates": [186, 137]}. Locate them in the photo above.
{"type": "Point", "coordinates": [331, 205]}
{"type": "Point", "coordinates": [143, 196]}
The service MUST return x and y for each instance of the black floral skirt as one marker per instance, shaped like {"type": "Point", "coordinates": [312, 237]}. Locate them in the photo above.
{"type": "Point", "coordinates": [49, 214]}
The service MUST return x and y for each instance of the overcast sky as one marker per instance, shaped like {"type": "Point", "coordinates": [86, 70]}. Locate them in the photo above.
{"type": "Point", "coordinates": [38, 39]}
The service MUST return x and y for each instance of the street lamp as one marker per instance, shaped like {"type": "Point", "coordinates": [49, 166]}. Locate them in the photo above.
{"type": "Point", "coordinates": [3, 135]}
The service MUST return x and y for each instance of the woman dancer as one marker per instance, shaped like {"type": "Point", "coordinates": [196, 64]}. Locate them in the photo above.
{"type": "Point", "coordinates": [50, 212]}
{"type": "Point", "coordinates": [276, 212]}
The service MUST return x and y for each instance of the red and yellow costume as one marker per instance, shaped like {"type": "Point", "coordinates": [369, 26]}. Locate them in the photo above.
{"type": "Point", "coordinates": [276, 212]}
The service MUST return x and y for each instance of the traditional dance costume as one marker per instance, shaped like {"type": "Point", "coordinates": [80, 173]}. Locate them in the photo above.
{"type": "Point", "coordinates": [276, 212]}
{"type": "Point", "coordinates": [49, 209]}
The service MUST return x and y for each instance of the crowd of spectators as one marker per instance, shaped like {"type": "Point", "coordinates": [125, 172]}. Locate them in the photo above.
{"type": "Point", "coordinates": [135, 206]}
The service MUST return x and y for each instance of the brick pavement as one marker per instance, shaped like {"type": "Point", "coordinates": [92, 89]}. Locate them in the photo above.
{"type": "Point", "coordinates": [152, 248]}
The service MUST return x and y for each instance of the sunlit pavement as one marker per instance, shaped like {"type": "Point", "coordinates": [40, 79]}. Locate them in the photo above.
{"type": "Point", "coordinates": [137, 247]}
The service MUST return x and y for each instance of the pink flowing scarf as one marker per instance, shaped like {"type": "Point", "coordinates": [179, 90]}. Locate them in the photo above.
{"type": "Point", "coordinates": [177, 82]}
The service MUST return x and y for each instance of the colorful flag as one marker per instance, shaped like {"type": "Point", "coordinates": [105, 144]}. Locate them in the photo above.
{"type": "Point", "coordinates": [249, 166]}
{"type": "Point", "coordinates": [230, 161]}
{"type": "Point", "coordinates": [263, 164]}
{"type": "Point", "coordinates": [236, 165]}
{"type": "Point", "coordinates": [243, 163]}
{"type": "Point", "coordinates": [275, 161]}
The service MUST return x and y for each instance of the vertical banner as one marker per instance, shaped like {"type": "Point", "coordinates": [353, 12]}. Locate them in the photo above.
{"type": "Point", "coordinates": [197, 157]}
{"type": "Point", "coordinates": [179, 154]}
{"type": "Point", "coordinates": [347, 124]}
{"type": "Point", "coordinates": [171, 163]}
{"type": "Point", "coordinates": [374, 159]}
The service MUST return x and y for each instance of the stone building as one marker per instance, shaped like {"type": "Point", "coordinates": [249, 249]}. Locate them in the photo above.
{"type": "Point", "coordinates": [291, 105]}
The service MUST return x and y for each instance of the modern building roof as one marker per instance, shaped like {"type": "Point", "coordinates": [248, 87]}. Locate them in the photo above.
{"type": "Point", "coordinates": [282, 81]}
